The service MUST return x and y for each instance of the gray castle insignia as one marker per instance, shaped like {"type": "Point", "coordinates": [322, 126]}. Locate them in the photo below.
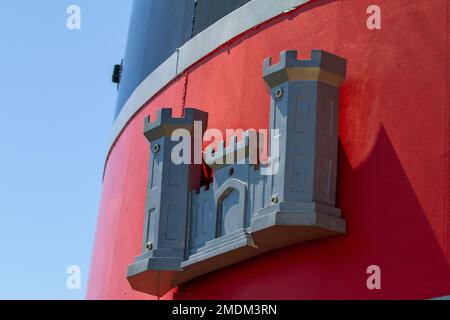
{"type": "Point", "coordinates": [190, 231]}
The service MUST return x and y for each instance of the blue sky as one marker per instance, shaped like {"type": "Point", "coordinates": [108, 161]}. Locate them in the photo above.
{"type": "Point", "coordinates": [57, 103]}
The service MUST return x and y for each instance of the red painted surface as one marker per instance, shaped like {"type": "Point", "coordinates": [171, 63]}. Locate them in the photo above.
{"type": "Point", "coordinates": [393, 175]}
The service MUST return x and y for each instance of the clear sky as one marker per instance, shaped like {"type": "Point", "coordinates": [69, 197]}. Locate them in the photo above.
{"type": "Point", "coordinates": [57, 103]}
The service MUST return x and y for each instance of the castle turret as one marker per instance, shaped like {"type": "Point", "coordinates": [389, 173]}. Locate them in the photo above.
{"type": "Point", "coordinates": [168, 192]}
{"type": "Point", "coordinates": [304, 110]}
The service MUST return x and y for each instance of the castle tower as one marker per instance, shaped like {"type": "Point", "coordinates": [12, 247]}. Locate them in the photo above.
{"type": "Point", "coordinates": [164, 237]}
{"type": "Point", "coordinates": [304, 110]}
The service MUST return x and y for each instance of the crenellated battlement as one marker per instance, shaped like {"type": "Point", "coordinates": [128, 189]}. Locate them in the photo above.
{"type": "Point", "coordinates": [165, 123]}
{"type": "Point", "coordinates": [235, 153]}
{"type": "Point", "coordinates": [204, 188]}
{"type": "Point", "coordinates": [322, 66]}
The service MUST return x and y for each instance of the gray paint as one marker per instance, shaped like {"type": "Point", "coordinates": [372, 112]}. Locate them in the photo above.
{"type": "Point", "coordinates": [246, 17]}
{"type": "Point", "coordinates": [236, 217]}
{"type": "Point", "coordinates": [158, 28]}
{"type": "Point", "coordinates": [240, 20]}
{"type": "Point", "coordinates": [207, 12]}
